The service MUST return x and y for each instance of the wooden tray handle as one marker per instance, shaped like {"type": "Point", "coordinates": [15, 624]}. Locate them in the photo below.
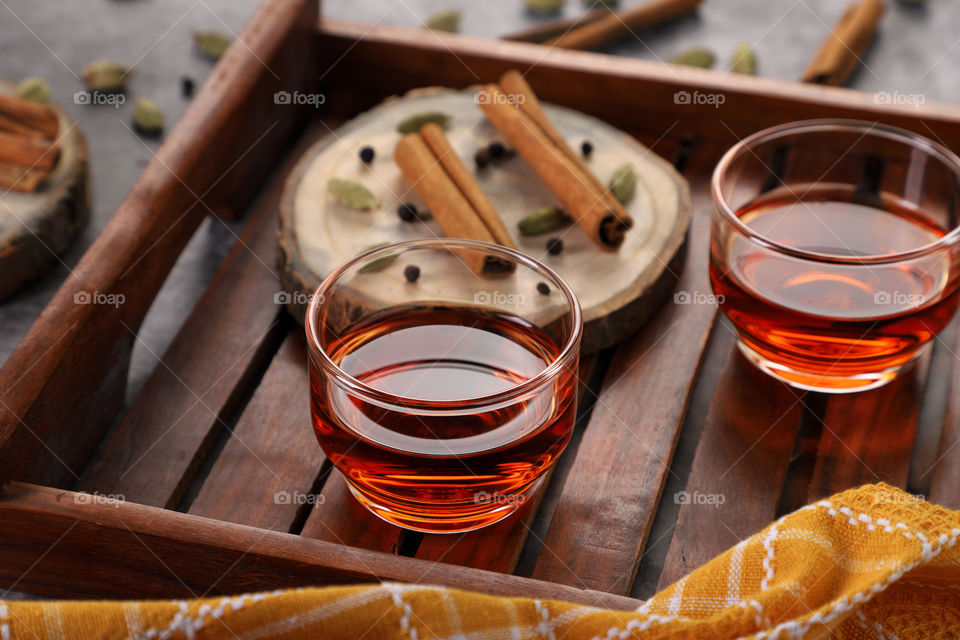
{"type": "Point", "coordinates": [65, 383]}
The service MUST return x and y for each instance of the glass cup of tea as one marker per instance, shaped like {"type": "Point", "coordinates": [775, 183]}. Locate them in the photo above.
{"type": "Point", "coordinates": [443, 379]}
{"type": "Point", "coordinates": [834, 249]}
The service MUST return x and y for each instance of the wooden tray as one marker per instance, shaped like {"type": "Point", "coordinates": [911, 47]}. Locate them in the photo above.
{"type": "Point", "coordinates": [220, 433]}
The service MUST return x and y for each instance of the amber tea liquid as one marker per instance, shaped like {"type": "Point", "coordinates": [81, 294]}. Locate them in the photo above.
{"type": "Point", "coordinates": [441, 464]}
{"type": "Point", "coordinates": [822, 324]}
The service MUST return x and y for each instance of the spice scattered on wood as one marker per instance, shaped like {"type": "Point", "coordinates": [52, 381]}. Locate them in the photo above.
{"type": "Point", "coordinates": [408, 212]}
{"type": "Point", "coordinates": [378, 265]}
{"type": "Point", "coordinates": [840, 53]}
{"type": "Point", "coordinates": [106, 75]}
{"type": "Point", "coordinates": [413, 123]}
{"type": "Point", "coordinates": [454, 197]}
{"type": "Point", "coordinates": [351, 193]}
{"type": "Point", "coordinates": [623, 183]}
{"type": "Point", "coordinates": [696, 57]}
{"type": "Point", "coordinates": [411, 272]}
{"type": "Point", "coordinates": [213, 44]}
{"type": "Point", "coordinates": [443, 21]}
{"type": "Point", "coordinates": [544, 220]}
{"type": "Point", "coordinates": [744, 59]}
{"type": "Point", "coordinates": [187, 86]}
{"type": "Point", "coordinates": [148, 118]}
{"type": "Point", "coordinates": [543, 288]}
{"type": "Point", "coordinates": [586, 148]}
{"type": "Point", "coordinates": [482, 158]}
{"type": "Point", "coordinates": [366, 155]}
{"type": "Point", "coordinates": [34, 89]}
{"type": "Point", "coordinates": [497, 150]}
{"type": "Point", "coordinates": [554, 246]}
{"type": "Point", "coordinates": [533, 135]}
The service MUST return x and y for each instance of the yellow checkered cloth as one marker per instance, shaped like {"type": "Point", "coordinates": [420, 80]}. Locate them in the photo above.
{"type": "Point", "coordinates": [872, 562]}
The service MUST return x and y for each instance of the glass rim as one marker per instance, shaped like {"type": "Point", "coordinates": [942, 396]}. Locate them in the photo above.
{"type": "Point", "coordinates": [864, 127]}
{"type": "Point", "coordinates": [569, 349]}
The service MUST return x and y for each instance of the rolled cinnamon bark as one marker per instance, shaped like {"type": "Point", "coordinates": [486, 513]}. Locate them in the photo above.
{"type": "Point", "coordinates": [19, 178]}
{"type": "Point", "coordinates": [621, 24]}
{"type": "Point", "coordinates": [447, 201]}
{"type": "Point", "coordinates": [839, 55]}
{"type": "Point", "coordinates": [28, 152]}
{"type": "Point", "coordinates": [33, 115]}
{"type": "Point", "coordinates": [514, 84]}
{"type": "Point", "coordinates": [575, 190]}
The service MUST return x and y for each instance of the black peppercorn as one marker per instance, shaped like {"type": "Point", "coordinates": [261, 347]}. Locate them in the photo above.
{"type": "Point", "coordinates": [543, 288]}
{"type": "Point", "coordinates": [411, 272]}
{"type": "Point", "coordinates": [497, 150]}
{"type": "Point", "coordinates": [186, 87]}
{"type": "Point", "coordinates": [482, 158]}
{"type": "Point", "coordinates": [407, 212]}
{"type": "Point", "coordinates": [554, 246]}
{"type": "Point", "coordinates": [366, 155]}
{"type": "Point", "coordinates": [586, 148]}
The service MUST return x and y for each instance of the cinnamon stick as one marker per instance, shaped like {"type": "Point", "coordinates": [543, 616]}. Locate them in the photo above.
{"type": "Point", "coordinates": [618, 25]}
{"type": "Point", "coordinates": [12, 126]}
{"type": "Point", "coordinates": [446, 198]}
{"type": "Point", "coordinates": [553, 28]}
{"type": "Point", "coordinates": [572, 186]}
{"type": "Point", "coordinates": [514, 84]}
{"type": "Point", "coordinates": [18, 178]}
{"type": "Point", "coordinates": [840, 53]}
{"type": "Point", "coordinates": [28, 152]}
{"type": "Point", "coordinates": [33, 115]}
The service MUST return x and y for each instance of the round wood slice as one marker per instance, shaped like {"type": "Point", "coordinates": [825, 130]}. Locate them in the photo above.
{"type": "Point", "coordinates": [618, 290]}
{"type": "Point", "coordinates": [37, 227]}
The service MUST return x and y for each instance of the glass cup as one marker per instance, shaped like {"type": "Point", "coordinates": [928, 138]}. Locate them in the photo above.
{"type": "Point", "coordinates": [443, 396]}
{"type": "Point", "coordinates": [834, 249]}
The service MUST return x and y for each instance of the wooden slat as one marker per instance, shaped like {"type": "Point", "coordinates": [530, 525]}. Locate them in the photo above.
{"type": "Point", "coordinates": [742, 457]}
{"type": "Point", "coordinates": [64, 384]}
{"type": "Point", "coordinates": [609, 498]}
{"type": "Point", "coordinates": [339, 517]}
{"type": "Point", "coordinates": [498, 547]}
{"type": "Point", "coordinates": [206, 371]}
{"type": "Point", "coordinates": [266, 473]}
{"type": "Point", "coordinates": [166, 554]}
{"type": "Point", "coordinates": [867, 437]}
{"type": "Point", "coordinates": [945, 484]}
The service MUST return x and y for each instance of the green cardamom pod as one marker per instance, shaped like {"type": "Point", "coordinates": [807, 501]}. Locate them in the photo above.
{"type": "Point", "coordinates": [412, 123]}
{"type": "Point", "coordinates": [380, 263]}
{"type": "Point", "coordinates": [544, 220]}
{"type": "Point", "coordinates": [695, 57]}
{"type": "Point", "coordinates": [443, 21]}
{"type": "Point", "coordinates": [351, 194]}
{"type": "Point", "coordinates": [34, 89]}
{"type": "Point", "coordinates": [106, 75]}
{"type": "Point", "coordinates": [744, 59]}
{"type": "Point", "coordinates": [148, 118]}
{"type": "Point", "coordinates": [544, 6]}
{"type": "Point", "coordinates": [212, 43]}
{"type": "Point", "coordinates": [623, 182]}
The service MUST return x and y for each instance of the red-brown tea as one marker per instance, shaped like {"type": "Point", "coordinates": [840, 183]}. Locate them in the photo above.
{"type": "Point", "coordinates": [441, 463]}
{"type": "Point", "coordinates": [822, 320]}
